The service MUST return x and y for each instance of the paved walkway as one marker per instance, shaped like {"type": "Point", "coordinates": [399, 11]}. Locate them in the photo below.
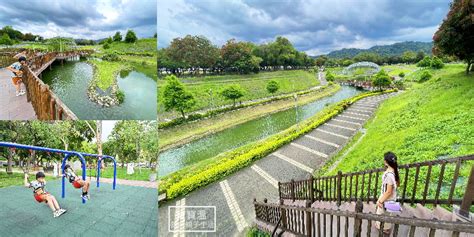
{"type": "Point", "coordinates": [233, 196]}
{"type": "Point", "coordinates": [126, 211]}
{"type": "Point", "coordinates": [135, 183]}
{"type": "Point", "coordinates": [11, 106]}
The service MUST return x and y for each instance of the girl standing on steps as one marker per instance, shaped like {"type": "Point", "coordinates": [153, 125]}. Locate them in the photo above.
{"type": "Point", "coordinates": [390, 182]}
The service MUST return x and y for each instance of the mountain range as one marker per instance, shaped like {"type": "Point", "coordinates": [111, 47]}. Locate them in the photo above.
{"type": "Point", "coordinates": [384, 50]}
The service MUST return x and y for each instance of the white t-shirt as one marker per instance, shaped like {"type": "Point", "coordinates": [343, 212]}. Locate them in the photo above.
{"type": "Point", "coordinates": [388, 178]}
{"type": "Point", "coordinates": [36, 185]}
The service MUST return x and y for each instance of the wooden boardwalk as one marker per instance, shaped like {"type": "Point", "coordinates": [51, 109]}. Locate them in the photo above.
{"type": "Point", "coordinates": [11, 106]}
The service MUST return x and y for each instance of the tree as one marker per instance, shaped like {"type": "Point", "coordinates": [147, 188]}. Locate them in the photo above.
{"type": "Point", "coordinates": [189, 52]}
{"type": "Point", "coordinates": [5, 40]}
{"type": "Point", "coordinates": [131, 37]}
{"type": "Point", "coordinates": [238, 56]}
{"type": "Point", "coordinates": [321, 60]}
{"type": "Point", "coordinates": [330, 76]}
{"type": "Point", "coordinates": [272, 87]}
{"type": "Point", "coordinates": [176, 97]}
{"type": "Point", "coordinates": [381, 80]}
{"type": "Point", "coordinates": [117, 37]}
{"type": "Point", "coordinates": [232, 92]}
{"type": "Point", "coordinates": [409, 57]}
{"type": "Point", "coordinates": [456, 33]}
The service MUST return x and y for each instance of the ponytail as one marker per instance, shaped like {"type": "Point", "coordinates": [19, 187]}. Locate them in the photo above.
{"type": "Point", "coordinates": [391, 160]}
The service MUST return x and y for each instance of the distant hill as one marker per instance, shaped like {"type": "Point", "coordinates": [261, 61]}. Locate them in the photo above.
{"type": "Point", "coordinates": [385, 50]}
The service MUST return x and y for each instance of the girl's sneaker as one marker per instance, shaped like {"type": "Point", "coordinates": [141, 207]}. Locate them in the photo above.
{"type": "Point", "coordinates": [56, 214]}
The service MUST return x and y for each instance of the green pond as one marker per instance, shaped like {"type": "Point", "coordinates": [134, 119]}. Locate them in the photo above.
{"type": "Point", "coordinates": [71, 80]}
{"type": "Point", "coordinates": [207, 147]}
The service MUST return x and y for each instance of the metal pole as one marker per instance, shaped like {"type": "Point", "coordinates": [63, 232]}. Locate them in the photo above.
{"type": "Point", "coordinates": [83, 161]}
{"type": "Point", "coordinates": [98, 171]}
{"type": "Point", "coordinates": [63, 183]}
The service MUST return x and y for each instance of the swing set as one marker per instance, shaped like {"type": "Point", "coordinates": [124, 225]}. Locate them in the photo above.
{"type": "Point", "coordinates": [67, 155]}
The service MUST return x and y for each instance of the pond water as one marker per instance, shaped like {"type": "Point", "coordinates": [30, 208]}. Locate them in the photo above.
{"type": "Point", "coordinates": [70, 82]}
{"type": "Point", "coordinates": [212, 145]}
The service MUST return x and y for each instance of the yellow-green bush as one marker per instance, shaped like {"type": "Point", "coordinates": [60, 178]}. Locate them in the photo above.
{"type": "Point", "coordinates": [241, 157]}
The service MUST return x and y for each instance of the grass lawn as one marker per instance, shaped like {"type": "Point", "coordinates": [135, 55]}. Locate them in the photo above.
{"type": "Point", "coordinates": [108, 172]}
{"type": "Point", "coordinates": [106, 72]}
{"type": "Point", "coordinates": [429, 121]}
{"type": "Point", "coordinates": [16, 179]}
{"type": "Point", "coordinates": [254, 85]}
{"type": "Point", "coordinates": [190, 131]}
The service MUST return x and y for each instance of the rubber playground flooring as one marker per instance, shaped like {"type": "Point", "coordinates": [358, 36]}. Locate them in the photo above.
{"type": "Point", "coordinates": [126, 211]}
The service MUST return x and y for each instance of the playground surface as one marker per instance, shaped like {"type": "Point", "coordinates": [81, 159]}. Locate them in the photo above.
{"type": "Point", "coordinates": [126, 211]}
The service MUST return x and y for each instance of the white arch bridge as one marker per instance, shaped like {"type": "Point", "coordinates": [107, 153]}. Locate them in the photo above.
{"type": "Point", "coordinates": [375, 68]}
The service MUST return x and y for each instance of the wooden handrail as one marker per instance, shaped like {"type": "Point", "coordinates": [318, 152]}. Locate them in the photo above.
{"type": "Point", "coordinates": [414, 186]}
{"type": "Point", "coordinates": [47, 105]}
{"type": "Point", "coordinates": [300, 226]}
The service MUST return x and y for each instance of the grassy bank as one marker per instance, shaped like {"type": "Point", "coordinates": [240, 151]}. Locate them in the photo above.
{"type": "Point", "coordinates": [206, 89]}
{"type": "Point", "coordinates": [108, 172]}
{"type": "Point", "coordinates": [16, 179]}
{"type": "Point", "coordinates": [208, 171]}
{"type": "Point", "coordinates": [431, 120]}
{"type": "Point", "coordinates": [182, 134]}
{"type": "Point", "coordinates": [106, 73]}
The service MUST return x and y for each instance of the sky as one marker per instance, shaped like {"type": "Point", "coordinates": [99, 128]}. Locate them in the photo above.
{"type": "Point", "coordinates": [107, 127]}
{"type": "Point", "coordinates": [314, 26]}
{"type": "Point", "coordinates": [89, 19]}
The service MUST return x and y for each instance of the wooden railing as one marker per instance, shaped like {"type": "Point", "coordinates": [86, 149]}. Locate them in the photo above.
{"type": "Point", "coordinates": [307, 221]}
{"type": "Point", "coordinates": [419, 183]}
{"type": "Point", "coordinates": [46, 104]}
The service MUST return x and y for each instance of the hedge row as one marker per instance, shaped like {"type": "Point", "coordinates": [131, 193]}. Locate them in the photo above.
{"type": "Point", "coordinates": [197, 116]}
{"type": "Point", "coordinates": [242, 157]}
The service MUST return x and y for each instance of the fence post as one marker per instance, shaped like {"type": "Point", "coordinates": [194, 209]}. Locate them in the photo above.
{"type": "Point", "coordinates": [293, 189]}
{"type": "Point", "coordinates": [357, 220]}
{"type": "Point", "coordinates": [283, 215]}
{"type": "Point", "coordinates": [311, 189]}
{"type": "Point", "coordinates": [266, 210]}
{"type": "Point", "coordinates": [309, 222]}
{"type": "Point", "coordinates": [338, 186]}
{"type": "Point", "coordinates": [468, 195]}
{"type": "Point", "coordinates": [279, 190]}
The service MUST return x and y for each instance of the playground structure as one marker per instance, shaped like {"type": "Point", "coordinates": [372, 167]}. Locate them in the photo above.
{"type": "Point", "coordinates": [67, 155]}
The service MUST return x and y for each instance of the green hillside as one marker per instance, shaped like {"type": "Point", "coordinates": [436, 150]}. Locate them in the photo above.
{"type": "Point", "coordinates": [396, 49]}
{"type": "Point", "coordinates": [429, 121]}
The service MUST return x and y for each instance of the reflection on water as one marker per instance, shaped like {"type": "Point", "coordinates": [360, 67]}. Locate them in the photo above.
{"type": "Point", "coordinates": [212, 145]}
{"type": "Point", "coordinates": [70, 83]}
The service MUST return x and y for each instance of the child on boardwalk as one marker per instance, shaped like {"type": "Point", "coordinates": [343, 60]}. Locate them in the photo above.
{"type": "Point", "coordinates": [41, 195]}
{"type": "Point", "coordinates": [17, 78]}
{"type": "Point", "coordinates": [77, 182]}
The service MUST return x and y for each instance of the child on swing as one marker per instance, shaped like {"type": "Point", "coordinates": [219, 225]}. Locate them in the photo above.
{"type": "Point", "coordinates": [77, 182]}
{"type": "Point", "coordinates": [41, 195]}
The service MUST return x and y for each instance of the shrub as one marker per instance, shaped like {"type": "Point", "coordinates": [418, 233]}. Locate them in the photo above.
{"type": "Point", "coordinates": [399, 84]}
{"type": "Point", "coordinates": [242, 157]}
{"type": "Point", "coordinates": [120, 96]}
{"type": "Point", "coordinates": [106, 46]}
{"type": "Point", "coordinates": [401, 74]}
{"type": "Point", "coordinates": [437, 63]}
{"type": "Point", "coordinates": [111, 57]}
{"type": "Point", "coordinates": [425, 76]}
{"type": "Point", "coordinates": [330, 76]}
{"type": "Point", "coordinates": [425, 62]}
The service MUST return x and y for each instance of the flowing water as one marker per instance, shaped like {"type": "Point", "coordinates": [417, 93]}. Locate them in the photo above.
{"type": "Point", "coordinates": [70, 82]}
{"type": "Point", "coordinates": [231, 138]}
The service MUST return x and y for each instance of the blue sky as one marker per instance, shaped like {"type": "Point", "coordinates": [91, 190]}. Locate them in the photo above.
{"type": "Point", "coordinates": [91, 19]}
{"type": "Point", "coordinates": [313, 26]}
